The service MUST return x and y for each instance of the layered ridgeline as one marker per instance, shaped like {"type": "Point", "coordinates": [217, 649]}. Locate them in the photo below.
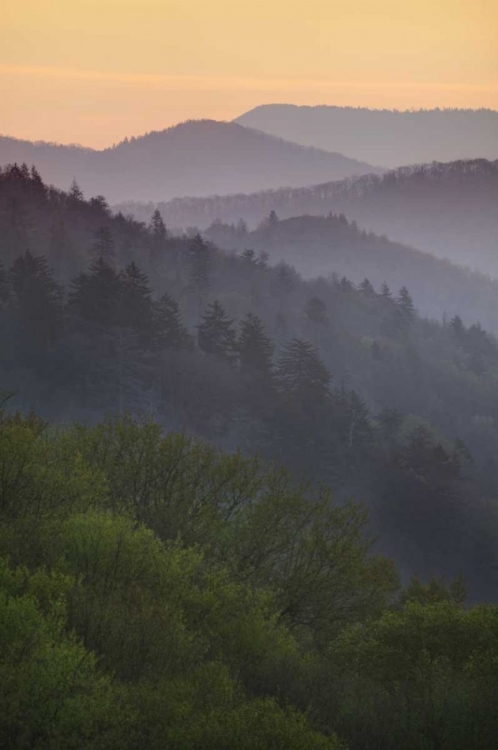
{"type": "Point", "coordinates": [325, 245]}
{"type": "Point", "coordinates": [345, 383]}
{"type": "Point", "coordinates": [387, 137]}
{"type": "Point", "coordinates": [194, 158]}
{"type": "Point", "coordinates": [448, 210]}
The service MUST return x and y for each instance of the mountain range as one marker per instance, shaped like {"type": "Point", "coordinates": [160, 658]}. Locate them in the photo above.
{"type": "Point", "coordinates": [325, 245]}
{"type": "Point", "coordinates": [197, 158]}
{"type": "Point", "coordinates": [380, 136]}
{"type": "Point", "coordinates": [448, 209]}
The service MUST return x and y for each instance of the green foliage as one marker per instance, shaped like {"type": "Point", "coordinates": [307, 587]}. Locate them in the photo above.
{"type": "Point", "coordinates": [51, 693]}
{"type": "Point", "coordinates": [168, 594]}
{"type": "Point", "coordinates": [430, 667]}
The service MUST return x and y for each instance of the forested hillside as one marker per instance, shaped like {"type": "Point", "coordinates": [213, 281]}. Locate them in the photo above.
{"type": "Point", "coordinates": [325, 245]}
{"type": "Point", "coordinates": [157, 593]}
{"type": "Point", "coordinates": [193, 158]}
{"type": "Point", "coordinates": [394, 137]}
{"type": "Point", "coordinates": [448, 210]}
{"type": "Point", "coordinates": [344, 383]}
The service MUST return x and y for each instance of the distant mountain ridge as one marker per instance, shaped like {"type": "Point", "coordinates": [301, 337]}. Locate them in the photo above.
{"type": "Point", "coordinates": [198, 157]}
{"type": "Point", "coordinates": [449, 210]}
{"type": "Point", "coordinates": [380, 136]}
{"type": "Point", "coordinates": [324, 245]}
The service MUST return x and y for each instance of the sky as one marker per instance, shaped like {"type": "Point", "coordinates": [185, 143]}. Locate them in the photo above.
{"type": "Point", "coordinates": [96, 71]}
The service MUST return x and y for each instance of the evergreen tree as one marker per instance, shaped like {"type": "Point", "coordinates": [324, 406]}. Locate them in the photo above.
{"type": "Point", "coordinates": [94, 297]}
{"type": "Point", "coordinates": [385, 292]}
{"type": "Point", "coordinates": [302, 376]}
{"type": "Point", "coordinates": [405, 307]}
{"type": "Point", "coordinates": [301, 417]}
{"type": "Point", "coordinates": [37, 300]}
{"type": "Point", "coordinates": [136, 305]}
{"type": "Point", "coordinates": [200, 264]}
{"type": "Point", "coordinates": [103, 245]}
{"type": "Point", "coordinates": [286, 277]}
{"type": "Point", "coordinates": [346, 285]}
{"type": "Point", "coordinates": [458, 328]}
{"type": "Point", "coordinates": [159, 235]}
{"type": "Point", "coordinates": [216, 334]}
{"type": "Point", "coordinates": [255, 347]}
{"type": "Point", "coordinates": [75, 194]}
{"type": "Point", "coordinates": [169, 331]}
{"type": "Point", "coordinates": [316, 311]}
{"type": "Point", "coordinates": [366, 289]}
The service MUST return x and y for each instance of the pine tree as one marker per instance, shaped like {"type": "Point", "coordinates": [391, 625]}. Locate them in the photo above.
{"type": "Point", "coordinates": [385, 292]}
{"type": "Point", "coordinates": [302, 376]}
{"type": "Point", "coordinates": [159, 235]}
{"type": "Point", "coordinates": [316, 311]}
{"type": "Point", "coordinates": [216, 334]}
{"type": "Point", "coordinates": [301, 415]}
{"type": "Point", "coordinates": [103, 245]}
{"type": "Point", "coordinates": [457, 327]}
{"type": "Point", "coordinates": [366, 289]}
{"type": "Point", "coordinates": [94, 297]}
{"type": "Point", "coordinates": [346, 285]}
{"type": "Point", "coordinates": [255, 347]}
{"type": "Point", "coordinates": [286, 277]}
{"type": "Point", "coordinates": [406, 307]}
{"type": "Point", "coordinates": [75, 194]}
{"type": "Point", "coordinates": [135, 302]}
{"type": "Point", "coordinates": [200, 264]}
{"type": "Point", "coordinates": [169, 331]}
{"type": "Point", "coordinates": [37, 300]}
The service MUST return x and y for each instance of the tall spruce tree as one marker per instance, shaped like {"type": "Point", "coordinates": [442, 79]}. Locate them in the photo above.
{"type": "Point", "coordinates": [302, 376]}
{"type": "Point", "coordinates": [135, 302]}
{"type": "Point", "coordinates": [37, 301]}
{"type": "Point", "coordinates": [159, 235]}
{"type": "Point", "coordinates": [169, 331]}
{"type": "Point", "coordinates": [405, 307]}
{"type": "Point", "coordinates": [94, 297]}
{"type": "Point", "coordinates": [316, 311]}
{"type": "Point", "coordinates": [216, 333]}
{"type": "Point", "coordinates": [255, 347]}
{"type": "Point", "coordinates": [103, 245]}
{"type": "Point", "coordinates": [200, 265]}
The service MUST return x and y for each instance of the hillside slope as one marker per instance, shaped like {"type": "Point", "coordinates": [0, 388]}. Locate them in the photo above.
{"type": "Point", "coordinates": [194, 158]}
{"type": "Point", "coordinates": [348, 385]}
{"type": "Point", "coordinates": [449, 210]}
{"type": "Point", "coordinates": [386, 137]}
{"type": "Point", "coordinates": [318, 245]}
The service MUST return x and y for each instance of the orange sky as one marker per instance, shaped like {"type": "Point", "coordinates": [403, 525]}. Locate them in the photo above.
{"type": "Point", "coordinates": [95, 71]}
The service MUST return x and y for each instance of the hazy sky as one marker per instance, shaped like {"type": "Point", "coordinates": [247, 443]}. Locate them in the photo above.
{"type": "Point", "coordinates": [95, 71]}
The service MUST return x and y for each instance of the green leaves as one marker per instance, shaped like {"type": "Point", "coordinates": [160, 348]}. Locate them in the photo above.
{"type": "Point", "coordinates": [51, 694]}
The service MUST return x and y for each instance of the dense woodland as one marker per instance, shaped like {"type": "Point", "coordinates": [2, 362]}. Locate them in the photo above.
{"type": "Point", "coordinates": [155, 593]}
{"type": "Point", "coordinates": [191, 591]}
{"type": "Point", "coordinates": [325, 245]}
